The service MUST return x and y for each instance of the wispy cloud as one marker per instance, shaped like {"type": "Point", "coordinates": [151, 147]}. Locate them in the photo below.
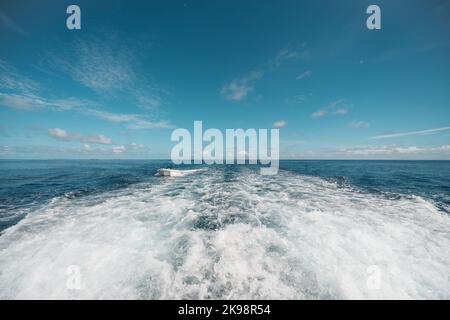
{"type": "Point", "coordinates": [19, 92]}
{"type": "Point", "coordinates": [87, 140]}
{"type": "Point", "coordinates": [33, 102]}
{"type": "Point", "coordinates": [318, 114]}
{"type": "Point", "coordinates": [395, 150]}
{"type": "Point", "coordinates": [411, 133]}
{"type": "Point", "coordinates": [387, 152]}
{"type": "Point", "coordinates": [402, 51]}
{"type": "Point", "coordinates": [109, 67]}
{"type": "Point", "coordinates": [342, 110]}
{"type": "Point", "coordinates": [62, 134]}
{"type": "Point", "coordinates": [18, 101]}
{"type": "Point", "coordinates": [13, 81]}
{"type": "Point", "coordinates": [286, 54]}
{"type": "Point", "coordinates": [36, 103]}
{"type": "Point", "coordinates": [338, 107]}
{"type": "Point", "coordinates": [134, 121]}
{"type": "Point", "coordinates": [8, 23]}
{"type": "Point", "coordinates": [297, 99]}
{"type": "Point", "coordinates": [84, 151]}
{"type": "Point", "coordinates": [304, 75]}
{"type": "Point", "coordinates": [238, 89]}
{"type": "Point", "coordinates": [127, 148]}
{"type": "Point", "coordinates": [149, 101]}
{"type": "Point", "coordinates": [358, 124]}
{"type": "Point", "coordinates": [97, 66]}
{"type": "Point", "coordinates": [279, 124]}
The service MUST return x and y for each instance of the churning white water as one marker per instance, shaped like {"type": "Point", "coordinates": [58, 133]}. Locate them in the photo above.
{"type": "Point", "coordinates": [230, 235]}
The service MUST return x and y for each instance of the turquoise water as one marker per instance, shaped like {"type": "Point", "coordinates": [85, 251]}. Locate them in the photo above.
{"type": "Point", "coordinates": [313, 231]}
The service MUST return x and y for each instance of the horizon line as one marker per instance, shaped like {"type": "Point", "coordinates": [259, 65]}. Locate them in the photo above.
{"type": "Point", "coordinates": [161, 159]}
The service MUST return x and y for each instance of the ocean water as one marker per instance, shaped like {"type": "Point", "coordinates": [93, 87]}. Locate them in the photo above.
{"type": "Point", "coordinates": [316, 230]}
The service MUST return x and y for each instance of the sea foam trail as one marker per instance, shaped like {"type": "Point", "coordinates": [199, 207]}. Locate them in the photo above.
{"type": "Point", "coordinates": [174, 172]}
{"type": "Point", "coordinates": [228, 234]}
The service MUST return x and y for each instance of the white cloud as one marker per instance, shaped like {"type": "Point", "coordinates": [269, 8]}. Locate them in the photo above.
{"type": "Point", "coordinates": [279, 124]}
{"type": "Point", "coordinates": [338, 107]}
{"type": "Point", "coordinates": [34, 102]}
{"type": "Point", "coordinates": [358, 124]}
{"type": "Point", "coordinates": [19, 92]}
{"type": "Point", "coordinates": [411, 133]}
{"type": "Point", "coordinates": [318, 114]}
{"type": "Point", "coordinates": [132, 150]}
{"type": "Point", "coordinates": [119, 149]}
{"type": "Point", "coordinates": [134, 121]}
{"type": "Point", "coordinates": [387, 152]}
{"type": "Point", "coordinates": [135, 146]}
{"type": "Point", "coordinates": [409, 149]}
{"type": "Point", "coordinates": [371, 150]}
{"type": "Point", "coordinates": [341, 111]}
{"type": "Point", "coordinates": [149, 101]}
{"type": "Point", "coordinates": [5, 150]}
{"type": "Point", "coordinates": [297, 99]}
{"type": "Point", "coordinates": [110, 67]}
{"type": "Point", "coordinates": [397, 150]}
{"type": "Point", "coordinates": [126, 148]}
{"type": "Point", "coordinates": [11, 81]}
{"type": "Point", "coordinates": [31, 101]}
{"type": "Point", "coordinates": [442, 148]}
{"type": "Point", "coordinates": [62, 134]}
{"type": "Point", "coordinates": [98, 67]}
{"type": "Point", "coordinates": [58, 133]}
{"type": "Point", "coordinates": [286, 54]}
{"type": "Point", "coordinates": [238, 89]}
{"type": "Point", "coordinates": [304, 75]}
{"type": "Point", "coordinates": [18, 102]}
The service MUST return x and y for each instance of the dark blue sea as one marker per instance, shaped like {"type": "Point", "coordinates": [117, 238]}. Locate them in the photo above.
{"type": "Point", "coordinates": [316, 230]}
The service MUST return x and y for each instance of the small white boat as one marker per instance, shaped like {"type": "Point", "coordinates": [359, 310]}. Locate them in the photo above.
{"type": "Point", "coordinates": [172, 172]}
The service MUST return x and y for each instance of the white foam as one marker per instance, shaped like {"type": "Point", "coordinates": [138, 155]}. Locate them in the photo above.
{"type": "Point", "coordinates": [174, 172]}
{"type": "Point", "coordinates": [284, 236]}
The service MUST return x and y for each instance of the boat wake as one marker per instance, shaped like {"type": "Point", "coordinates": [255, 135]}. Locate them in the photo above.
{"type": "Point", "coordinates": [175, 172]}
{"type": "Point", "coordinates": [230, 234]}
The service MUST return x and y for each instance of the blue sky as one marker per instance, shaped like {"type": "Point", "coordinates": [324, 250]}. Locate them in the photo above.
{"type": "Point", "coordinates": [118, 87]}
